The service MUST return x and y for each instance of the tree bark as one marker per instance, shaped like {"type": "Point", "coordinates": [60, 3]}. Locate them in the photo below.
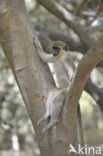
{"type": "Point", "coordinates": [86, 65]}
{"type": "Point", "coordinates": [32, 75]}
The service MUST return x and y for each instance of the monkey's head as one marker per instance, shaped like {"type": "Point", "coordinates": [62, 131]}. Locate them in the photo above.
{"type": "Point", "coordinates": [59, 48]}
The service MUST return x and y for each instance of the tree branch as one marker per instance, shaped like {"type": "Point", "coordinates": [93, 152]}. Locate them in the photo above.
{"type": "Point", "coordinates": [95, 92]}
{"type": "Point", "coordinates": [79, 9]}
{"type": "Point", "coordinates": [57, 35]}
{"type": "Point", "coordinates": [69, 19]}
{"type": "Point", "coordinates": [54, 35]}
{"type": "Point", "coordinates": [50, 34]}
{"type": "Point", "coordinates": [98, 12]}
{"type": "Point", "coordinates": [86, 65]}
{"type": "Point", "coordinates": [16, 39]}
{"type": "Point", "coordinates": [95, 28]}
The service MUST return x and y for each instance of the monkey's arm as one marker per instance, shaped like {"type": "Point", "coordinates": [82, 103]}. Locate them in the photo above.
{"type": "Point", "coordinates": [47, 58]}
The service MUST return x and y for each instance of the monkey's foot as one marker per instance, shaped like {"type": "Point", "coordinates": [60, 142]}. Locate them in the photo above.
{"type": "Point", "coordinates": [51, 123]}
{"type": "Point", "coordinates": [38, 123]}
{"type": "Point", "coordinates": [43, 118]}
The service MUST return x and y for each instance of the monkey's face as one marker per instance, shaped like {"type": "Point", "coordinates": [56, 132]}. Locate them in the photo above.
{"type": "Point", "coordinates": [56, 50]}
{"type": "Point", "coordinates": [59, 51]}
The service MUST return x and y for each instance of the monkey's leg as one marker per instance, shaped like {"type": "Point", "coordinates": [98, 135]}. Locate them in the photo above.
{"type": "Point", "coordinates": [55, 109]}
{"type": "Point", "coordinates": [48, 106]}
{"type": "Point", "coordinates": [47, 114]}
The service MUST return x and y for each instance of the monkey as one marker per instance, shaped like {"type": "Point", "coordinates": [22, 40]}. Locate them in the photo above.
{"type": "Point", "coordinates": [65, 70]}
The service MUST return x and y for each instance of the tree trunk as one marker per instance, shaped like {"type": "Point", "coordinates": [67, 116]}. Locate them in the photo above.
{"type": "Point", "coordinates": [32, 75]}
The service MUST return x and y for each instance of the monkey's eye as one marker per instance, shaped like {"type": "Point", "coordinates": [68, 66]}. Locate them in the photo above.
{"type": "Point", "coordinates": [56, 50]}
{"type": "Point", "coordinates": [65, 48]}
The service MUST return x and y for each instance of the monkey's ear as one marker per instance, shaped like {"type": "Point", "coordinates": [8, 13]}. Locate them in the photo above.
{"type": "Point", "coordinates": [65, 48]}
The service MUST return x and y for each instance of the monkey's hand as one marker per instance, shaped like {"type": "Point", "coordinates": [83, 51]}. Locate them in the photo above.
{"type": "Point", "coordinates": [36, 43]}
{"type": "Point", "coordinates": [47, 58]}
